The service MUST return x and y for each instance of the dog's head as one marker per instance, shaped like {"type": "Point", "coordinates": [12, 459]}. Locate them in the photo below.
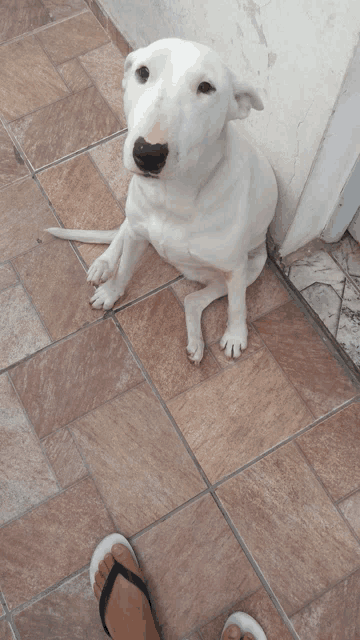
{"type": "Point", "coordinates": [178, 96]}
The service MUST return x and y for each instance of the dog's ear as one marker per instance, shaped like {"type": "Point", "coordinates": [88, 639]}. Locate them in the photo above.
{"type": "Point", "coordinates": [243, 98]}
{"type": "Point", "coordinates": [129, 60]}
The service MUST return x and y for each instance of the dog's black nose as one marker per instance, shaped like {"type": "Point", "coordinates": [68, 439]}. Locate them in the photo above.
{"type": "Point", "coordinates": [150, 157]}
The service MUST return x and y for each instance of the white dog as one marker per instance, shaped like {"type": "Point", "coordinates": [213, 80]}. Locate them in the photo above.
{"type": "Point", "coordinates": [200, 193]}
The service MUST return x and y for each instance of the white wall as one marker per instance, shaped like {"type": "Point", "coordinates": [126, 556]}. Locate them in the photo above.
{"type": "Point", "coordinates": [295, 51]}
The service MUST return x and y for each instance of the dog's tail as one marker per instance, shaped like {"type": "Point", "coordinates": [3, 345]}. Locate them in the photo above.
{"type": "Point", "coordinates": [103, 237]}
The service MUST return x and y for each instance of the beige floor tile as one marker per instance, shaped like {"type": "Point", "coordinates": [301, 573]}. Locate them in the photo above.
{"type": "Point", "coordinates": [236, 416]}
{"type": "Point", "coordinates": [12, 166]}
{"type": "Point", "coordinates": [64, 8]}
{"type": "Point", "coordinates": [306, 361]}
{"type": "Point", "coordinates": [82, 200]}
{"type": "Point", "coordinates": [161, 345]}
{"type": "Point", "coordinates": [194, 566]}
{"type": "Point", "coordinates": [56, 282]}
{"type": "Point", "coordinates": [8, 276]}
{"type": "Point", "coordinates": [106, 67]}
{"type": "Point", "coordinates": [28, 80]}
{"type": "Point", "coordinates": [290, 526]}
{"type": "Point", "coordinates": [334, 616]}
{"type": "Point", "coordinates": [70, 611]}
{"type": "Point", "coordinates": [333, 449]}
{"type": "Point", "coordinates": [260, 607]}
{"type": "Point", "coordinates": [350, 507]}
{"type": "Point", "coordinates": [51, 542]}
{"type": "Point", "coordinates": [21, 331]}
{"type": "Point", "coordinates": [67, 126]}
{"type": "Point", "coordinates": [74, 75]}
{"type": "Point", "coordinates": [72, 37]}
{"type": "Point", "coordinates": [109, 158]}
{"type": "Point", "coordinates": [26, 478]}
{"type": "Point", "coordinates": [24, 216]}
{"type": "Point", "coordinates": [5, 631]}
{"type": "Point", "coordinates": [19, 16]}
{"type": "Point", "coordinates": [64, 457]}
{"type": "Point", "coordinates": [132, 433]}
{"type": "Point", "coordinates": [75, 376]}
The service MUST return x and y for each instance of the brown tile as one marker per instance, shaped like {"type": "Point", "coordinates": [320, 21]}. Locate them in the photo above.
{"type": "Point", "coordinates": [333, 449]}
{"type": "Point", "coordinates": [299, 350]}
{"type": "Point", "coordinates": [213, 322]}
{"type": "Point", "coordinates": [12, 166]}
{"type": "Point", "coordinates": [5, 630]}
{"type": "Point", "coordinates": [351, 510]}
{"type": "Point", "coordinates": [7, 276]}
{"type": "Point", "coordinates": [72, 37]}
{"type": "Point", "coordinates": [24, 214]}
{"type": "Point", "coordinates": [75, 376]}
{"type": "Point", "coordinates": [51, 542]}
{"type": "Point", "coordinates": [82, 200]}
{"type": "Point", "coordinates": [28, 80]}
{"type": "Point", "coordinates": [56, 282]}
{"type": "Point", "coordinates": [74, 75]}
{"type": "Point", "coordinates": [266, 293]}
{"type": "Point", "coordinates": [109, 158]}
{"type": "Point", "coordinates": [118, 39]}
{"type": "Point", "coordinates": [239, 414]}
{"type": "Point", "coordinates": [64, 127]}
{"type": "Point", "coordinates": [194, 566]}
{"type": "Point", "coordinates": [64, 457]}
{"type": "Point", "coordinates": [162, 345]}
{"type": "Point", "coordinates": [21, 331]}
{"type": "Point", "coordinates": [132, 433]}
{"type": "Point", "coordinates": [63, 8]}
{"type": "Point", "coordinates": [151, 272]}
{"type": "Point", "coordinates": [70, 611]}
{"type": "Point", "coordinates": [106, 67]}
{"type": "Point", "coordinates": [26, 478]}
{"type": "Point", "coordinates": [333, 616]}
{"type": "Point", "coordinates": [19, 16]}
{"type": "Point", "coordinates": [290, 526]}
{"type": "Point", "coordinates": [260, 607]}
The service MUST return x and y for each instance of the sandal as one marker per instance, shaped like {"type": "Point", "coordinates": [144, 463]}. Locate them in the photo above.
{"type": "Point", "coordinates": [246, 624]}
{"type": "Point", "coordinates": [100, 552]}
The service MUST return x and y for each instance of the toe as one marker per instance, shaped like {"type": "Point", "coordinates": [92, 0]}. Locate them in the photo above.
{"type": "Point", "coordinates": [232, 632]}
{"type": "Point", "coordinates": [109, 560]}
{"type": "Point", "coordinates": [123, 555]}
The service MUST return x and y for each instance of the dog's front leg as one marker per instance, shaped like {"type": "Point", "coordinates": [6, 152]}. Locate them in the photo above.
{"type": "Point", "coordinates": [234, 339]}
{"type": "Point", "coordinates": [134, 247]}
{"type": "Point", "coordinates": [103, 267]}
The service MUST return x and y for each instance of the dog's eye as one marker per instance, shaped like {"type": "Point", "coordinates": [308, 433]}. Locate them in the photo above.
{"type": "Point", "coordinates": [143, 74]}
{"type": "Point", "coordinates": [205, 87]}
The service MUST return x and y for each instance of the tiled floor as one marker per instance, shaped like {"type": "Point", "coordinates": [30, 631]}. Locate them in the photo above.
{"type": "Point", "coordinates": [238, 484]}
{"type": "Point", "coordinates": [328, 278]}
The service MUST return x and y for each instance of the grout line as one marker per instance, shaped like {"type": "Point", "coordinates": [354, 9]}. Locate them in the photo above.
{"type": "Point", "coordinates": [320, 595]}
{"type": "Point", "coordinates": [255, 567]}
{"type": "Point", "coordinates": [347, 495]}
{"type": "Point", "coordinates": [44, 27]}
{"type": "Point", "coordinates": [324, 487]}
{"type": "Point", "coordinates": [30, 299]}
{"type": "Point", "coordinates": [158, 396]}
{"type": "Point", "coordinates": [327, 338]}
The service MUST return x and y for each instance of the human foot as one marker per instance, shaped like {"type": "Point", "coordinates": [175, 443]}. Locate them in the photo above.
{"type": "Point", "coordinates": [233, 632]}
{"type": "Point", "coordinates": [127, 614]}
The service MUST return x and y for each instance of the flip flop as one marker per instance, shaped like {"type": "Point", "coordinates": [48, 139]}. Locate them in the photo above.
{"type": "Point", "coordinates": [246, 623]}
{"type": "Point", "coordinates": [100, 552]}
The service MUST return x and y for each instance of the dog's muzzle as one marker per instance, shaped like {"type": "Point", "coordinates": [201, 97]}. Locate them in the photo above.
{"type": "Point", "coordinates": [150, 157]}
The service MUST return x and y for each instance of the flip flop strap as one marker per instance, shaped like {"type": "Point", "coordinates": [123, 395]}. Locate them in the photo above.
{"type": "Point", "coordinates": [117, 569]}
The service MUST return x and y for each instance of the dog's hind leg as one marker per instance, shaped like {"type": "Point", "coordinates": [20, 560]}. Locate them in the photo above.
{"type": "Point", "coordinates": [103, 267]}
{"type": "Point", "coordinates": [195, 303]}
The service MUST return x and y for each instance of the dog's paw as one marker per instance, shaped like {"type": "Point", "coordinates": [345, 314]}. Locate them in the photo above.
{"type": "Point", "coordinates": [100, 271]}
{"type": "Point", "coordinates": [195, 350]}
{"type": "Point", "coordinates": [105, 296]}
{"type": "Point", "coordinates": [234, 342]}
